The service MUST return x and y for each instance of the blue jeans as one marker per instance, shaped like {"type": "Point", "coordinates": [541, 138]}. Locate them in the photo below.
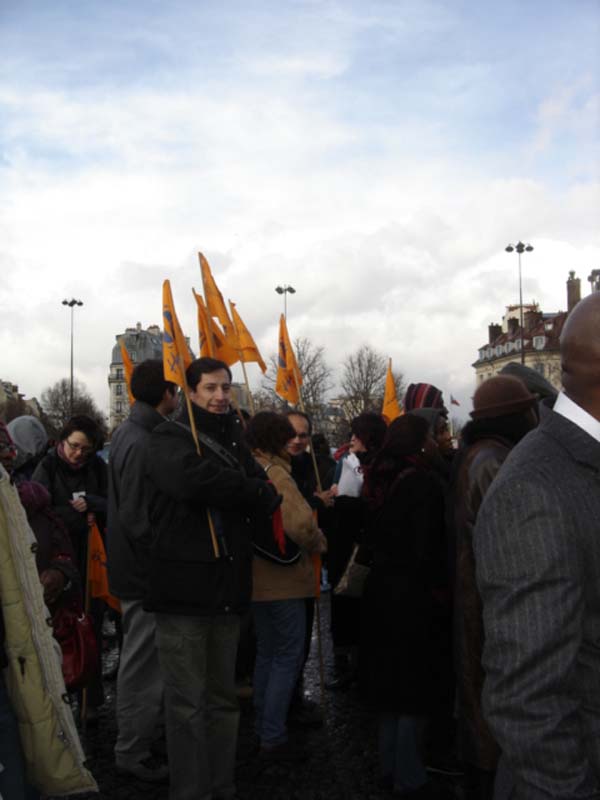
{"type": "Point", "coordinates": [400, 738]}
{"type": "Point", "coordinates": [12, 778]}
{"type": "Point", "coordinates": [280, 626]}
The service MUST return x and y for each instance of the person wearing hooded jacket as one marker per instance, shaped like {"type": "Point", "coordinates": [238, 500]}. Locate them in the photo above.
{"type": "Point", "coordinates": [201, 510]}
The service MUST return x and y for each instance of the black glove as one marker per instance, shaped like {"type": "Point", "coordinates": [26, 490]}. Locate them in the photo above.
{"type": "Point", "coordinates": [267, 500]}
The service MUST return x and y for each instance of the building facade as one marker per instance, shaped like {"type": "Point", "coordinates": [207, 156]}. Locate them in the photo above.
{"type": "Point", "coordinates": [141, 344]}
{"type": "Point", "coordinates": [536, 343]}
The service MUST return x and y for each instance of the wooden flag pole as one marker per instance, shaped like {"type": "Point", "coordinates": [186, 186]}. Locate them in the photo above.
{"type": "Point", "coordinates": [239, 352]}
{"type": "Point", "coordinates": [211, 525]}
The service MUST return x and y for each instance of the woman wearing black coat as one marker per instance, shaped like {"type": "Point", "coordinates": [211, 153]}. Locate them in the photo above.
{"type": "Point", "coordinates": [76, 478]}
{"type": "Point", "coordinates": [405, 622]}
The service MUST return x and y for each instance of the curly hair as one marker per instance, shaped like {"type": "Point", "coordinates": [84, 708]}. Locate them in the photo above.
{"type": "Point", "coordinates": [269, 432]}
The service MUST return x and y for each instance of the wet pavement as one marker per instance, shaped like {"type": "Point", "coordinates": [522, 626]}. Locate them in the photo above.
{"type": "Point", "coordinates": [342, 763]}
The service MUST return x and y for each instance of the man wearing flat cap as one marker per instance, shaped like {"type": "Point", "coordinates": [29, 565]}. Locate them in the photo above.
{"type": "Point", "coordinates": [537, 551]}
{"type": "Point", "coordinates": [503, 412]}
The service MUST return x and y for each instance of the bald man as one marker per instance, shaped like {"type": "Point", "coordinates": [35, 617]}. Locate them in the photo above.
{"type": "Point", "coordinates": [537, 548]}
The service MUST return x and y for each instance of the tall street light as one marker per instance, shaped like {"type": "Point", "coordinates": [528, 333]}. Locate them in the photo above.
{"type": "Point", "coordinates": [72, 303]}
{"type": "Point", "coordinates": [285, 290]}
{"type": "Point", "coordinates": [520, 248]}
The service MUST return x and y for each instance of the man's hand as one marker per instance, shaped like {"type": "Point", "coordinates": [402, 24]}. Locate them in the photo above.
{"type": "Point", "coordinates": [54, 583]}
{"type": "Point", "coordinates": [79, 504]}
{"type": "Point", "coordinates": [326, 496]}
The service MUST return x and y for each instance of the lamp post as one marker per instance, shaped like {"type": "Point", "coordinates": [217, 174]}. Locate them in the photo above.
{"type": "Point", "coordinates": [520, 248]}
{"type": "Point", "coordinates": [72, 303]}
{"type": "Point", "coordinates": [285, 290]}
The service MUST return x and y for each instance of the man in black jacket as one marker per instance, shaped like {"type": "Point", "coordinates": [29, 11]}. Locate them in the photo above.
{"type": "Point", "coordinates": [201, 512]}
{"type": "Point", "coordinates": [140, 687]}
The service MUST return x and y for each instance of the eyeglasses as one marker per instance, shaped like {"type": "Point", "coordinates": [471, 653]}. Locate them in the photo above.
{"type": "Point", "coordinates": [79, 448]}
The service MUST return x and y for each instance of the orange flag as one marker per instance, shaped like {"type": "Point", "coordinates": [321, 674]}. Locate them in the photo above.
{"type": "Point", "coordinates": [391, 407]}
{"type": "Point", "coordinates": [215, 303]}
{"type": "Point", "coordinates": [289, 379]}
{"type": "Point", "coordinates": [176, 353]}
{"type": "Point", "coordinates": [246, 345]}
{"type": "Point", "coordinates": [128, 369]}
{"type": "Point", "coordinates": [212, 338]}
{"type": "Point", "coordinates": [97, 576]}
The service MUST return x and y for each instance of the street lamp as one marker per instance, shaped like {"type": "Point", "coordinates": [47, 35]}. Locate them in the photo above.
{"type": "Point", "coordinates": [520, 248]}
{"type": "Point", "coordinates": [285, 290]}
{"type": "Point", "coordinates": [72, 303]}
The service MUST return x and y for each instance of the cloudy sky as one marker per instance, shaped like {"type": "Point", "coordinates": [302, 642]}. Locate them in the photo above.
{"type": "Point", "coordinates": [378, 156]}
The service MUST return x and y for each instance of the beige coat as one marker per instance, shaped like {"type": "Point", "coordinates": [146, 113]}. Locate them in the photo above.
{"type": "Point", "coordinates": [273, 581]}
{"type": "Point", "coordinates": [53, 754]}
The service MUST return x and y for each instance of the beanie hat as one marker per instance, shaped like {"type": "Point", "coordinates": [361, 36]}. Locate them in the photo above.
{"type": "Point", "coordinates": [501, 395]}
{"type": "Point", "coordinates": [423, 395]}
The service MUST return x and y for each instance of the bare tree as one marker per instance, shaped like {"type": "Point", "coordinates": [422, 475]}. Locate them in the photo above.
{"type": "Point", "coordinates": [316, 377]}
{"type": "Point", "coordinates": [56, 403]}
{"type": "Point", "coordinates": [363, 381]}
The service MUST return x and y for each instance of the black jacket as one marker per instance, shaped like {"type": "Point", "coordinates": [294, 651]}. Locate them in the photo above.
{"type": "Point", "coordinates": [186, 577]}
{"type": "Point", "coordinates": [128, 529]}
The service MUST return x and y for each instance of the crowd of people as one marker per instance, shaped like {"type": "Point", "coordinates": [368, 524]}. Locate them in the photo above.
{"type": "Point", "coordinates": [472, 636]}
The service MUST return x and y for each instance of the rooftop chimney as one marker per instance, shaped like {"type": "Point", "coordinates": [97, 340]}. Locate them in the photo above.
{"type": "Point", "coordinates": [494, 331]}
{"type": "Point", "coordinates": [573, 291]}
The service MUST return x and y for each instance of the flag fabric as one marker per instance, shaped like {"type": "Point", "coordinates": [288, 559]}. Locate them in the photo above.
{"type": "Point", "coordinates": [127, 369]}
{"type": "Point", "coordinates": [215, 303]}
{"type": "Point", "coordinates": [246, 345]}
{"type": "Point", "coordinates": [391, 407]}
{"type": "Point", "coordinates": [289, 380]}
{"type": "Point", "coordinates": [454, 401]}
{"type": "Point", "coordinates": [212, 339]}
{"type": "Point", "coordinates": [97, 576]}
{"type": "Point", "coordinates": [176, 353]}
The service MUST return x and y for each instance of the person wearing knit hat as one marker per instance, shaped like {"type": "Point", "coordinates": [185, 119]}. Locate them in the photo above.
{"type": "Point", "coordinates": [424, 395]}
{"type": "Point", "coordinates": [503, 412]}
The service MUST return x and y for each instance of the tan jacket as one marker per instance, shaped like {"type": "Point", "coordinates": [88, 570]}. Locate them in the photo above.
{"type": "Point", "coordinates": [53, 755]}
{"type": "Point", "coordinates": [273, 581]}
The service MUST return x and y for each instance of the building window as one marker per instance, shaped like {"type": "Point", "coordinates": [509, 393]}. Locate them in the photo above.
{"type": "Point", "coordinates": [539, 342]}
{"type": "Point", "coordinates": [119, 375]}
{"type": "Point", "coordinates": [119, 407]}
{"type": "Point", "coordinates": [539, 367]}
{"type": "Point", "coordinates": [119, 389]}
{"type": "Point", "coordinates": [133, 355]}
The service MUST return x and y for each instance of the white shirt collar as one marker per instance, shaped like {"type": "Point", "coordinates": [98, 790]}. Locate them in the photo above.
{"type": "Point", "coordinates": [567, 408]}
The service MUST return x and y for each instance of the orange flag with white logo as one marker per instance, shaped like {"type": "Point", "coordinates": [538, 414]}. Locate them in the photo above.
{"type": "Point", "coordinates": [289, 380]}
{"type": "Point", "coordinates": [391, 407]}
{"type": "Point", "coordinates": [246, 344]}
{"type": "Point", "coordinates": [127, 369]}
{"type": "Point", "coordinates": [97, 575]}
{"type": "Point", "coordinates": [176, 353]}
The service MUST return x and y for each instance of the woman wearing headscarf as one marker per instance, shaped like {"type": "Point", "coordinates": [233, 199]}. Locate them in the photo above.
{"type": "Point", "coordinates": [404, 603]}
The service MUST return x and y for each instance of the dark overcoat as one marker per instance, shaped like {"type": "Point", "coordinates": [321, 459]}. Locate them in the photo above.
{"type": "Point", "coordinates": [405, 639]}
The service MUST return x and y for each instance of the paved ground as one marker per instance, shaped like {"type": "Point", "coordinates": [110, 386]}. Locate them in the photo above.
{"type": "Point", "coordinates": [342, 763]}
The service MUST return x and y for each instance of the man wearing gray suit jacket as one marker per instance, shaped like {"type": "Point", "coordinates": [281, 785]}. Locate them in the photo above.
{"type": "Point", "coordinates": [537, 547]}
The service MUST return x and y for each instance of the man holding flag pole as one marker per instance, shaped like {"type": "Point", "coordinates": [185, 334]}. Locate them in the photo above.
{"type": "Point", "coordinates": [205, 489]}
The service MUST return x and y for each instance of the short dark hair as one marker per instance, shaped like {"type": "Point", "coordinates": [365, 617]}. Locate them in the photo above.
{"type": "Point", "coordinates": [148, 382]}
{"type": "Point", "coordinates": [269, 432]}
{"type": "Point", "coordinates": [203, 366]}
{"type": "Point", "coordinates": [296, 413]}
{"type": "Point", "coordinates": [370, 428]}
{"type": "Point", "coordinates": [87, 426]}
